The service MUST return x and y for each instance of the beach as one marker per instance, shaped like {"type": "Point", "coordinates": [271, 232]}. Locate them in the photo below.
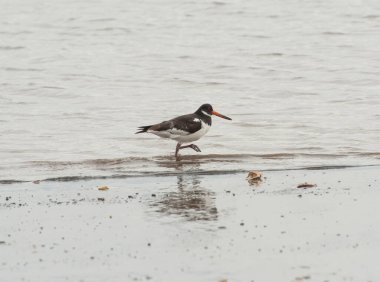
{"type": "Point", "coordinates": [300, 81]}
{"type": "Point", "coordinates": [194, 227]}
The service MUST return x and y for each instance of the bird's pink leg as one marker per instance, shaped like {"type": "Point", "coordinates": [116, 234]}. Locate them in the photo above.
{"type": "Point", "coordinates": [176, 150]}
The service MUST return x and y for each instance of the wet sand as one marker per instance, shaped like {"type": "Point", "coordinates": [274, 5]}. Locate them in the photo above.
{"type": "Point", "coordinates": [193, 227]}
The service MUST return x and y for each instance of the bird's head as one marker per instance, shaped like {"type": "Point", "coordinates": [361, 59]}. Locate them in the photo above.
{"type": "Point", "coordinates": [207, 109]}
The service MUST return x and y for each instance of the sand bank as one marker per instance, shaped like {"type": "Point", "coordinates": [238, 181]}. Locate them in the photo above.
{"type": "Point", "coordinates": [194, 228]}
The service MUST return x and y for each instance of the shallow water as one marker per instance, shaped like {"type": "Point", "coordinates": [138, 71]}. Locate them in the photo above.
{"type": "Point", "coordinates": [300, 79]}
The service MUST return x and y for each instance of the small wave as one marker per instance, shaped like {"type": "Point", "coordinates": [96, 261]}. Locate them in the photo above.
{"type": "Point", "coordinates": [12, 181]}
{"type": "Point", "coordinates": [123, 29]}
{"type": "Point", "coordinates": [52, 87]}
{"type": "Point", "coordinates": [16, 32]}
{"type": "Point", "coordinates": [22, 69]}
{"type": "Point", "coordinates": [136, 174]}
{"type": "Point", "coordinates": [166, 165]}
{"type": "Point", "coordinates": [71, 33]}
{"type": "Point", "coordinates": [211, 157]}
{"type": "Point", "coordinates": [192, 82]}
{"type": "Point", "coordinates": [271, 54]}
{"type": "Point", "coordinates": [143, 174]}
{"type": "Point", "coordinates": [102, 20]}
{"type": "Point", "coordinates": [95, 162]}
{"type": "Point", "coordinates": [202, 158]}
{"type": "Point", "coordinates": [333, 33]}
{"type": "Point", "coordinates": [5, 48]}
{"type": "Point", "coordinates": [371, 17]}
{"type": "Point", "coordinates": [219, 3]}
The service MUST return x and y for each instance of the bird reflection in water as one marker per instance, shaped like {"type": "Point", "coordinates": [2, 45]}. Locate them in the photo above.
{"type": "Point", "coordinates": [190, 200]}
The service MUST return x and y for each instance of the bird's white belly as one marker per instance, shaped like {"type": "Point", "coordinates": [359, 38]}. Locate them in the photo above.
{"type": "Point", "coordinates": [191, 137]}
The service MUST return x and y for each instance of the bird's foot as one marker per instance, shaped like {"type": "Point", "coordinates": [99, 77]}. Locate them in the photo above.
{"type": "Point", "coordinates": [194, 147]}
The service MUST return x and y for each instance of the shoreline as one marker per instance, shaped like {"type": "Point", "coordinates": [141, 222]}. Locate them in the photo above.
{"type": "Point", "coordinates": [185, 172]}
{"type": "Point", "coordinates": [193, 227]}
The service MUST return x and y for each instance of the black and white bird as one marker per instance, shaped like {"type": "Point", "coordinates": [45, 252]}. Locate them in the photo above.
{"type": "Point", "coordinates": [184, 129]}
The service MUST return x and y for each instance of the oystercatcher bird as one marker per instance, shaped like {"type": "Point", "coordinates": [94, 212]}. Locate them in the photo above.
{"type": "Point", "coordinates": [184, 129]}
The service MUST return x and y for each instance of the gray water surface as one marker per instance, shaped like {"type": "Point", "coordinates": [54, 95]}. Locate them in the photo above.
{"type": "Point", "coordinates": [300, 79]}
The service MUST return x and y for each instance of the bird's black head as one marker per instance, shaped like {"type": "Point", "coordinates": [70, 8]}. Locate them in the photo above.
{"type": "Point", "coordinates": [206, 109]}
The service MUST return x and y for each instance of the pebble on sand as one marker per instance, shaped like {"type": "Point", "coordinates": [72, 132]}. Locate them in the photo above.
{"type": "Point", "coordinates": [254, 177]}
{"type": "Point", "coordinates": [306, 185]}
{"type": "Point", "coordinates": [103, 188]}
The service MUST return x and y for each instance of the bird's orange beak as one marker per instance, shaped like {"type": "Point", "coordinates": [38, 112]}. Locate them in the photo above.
{"type": "Point", "coordinates": [220, 115]}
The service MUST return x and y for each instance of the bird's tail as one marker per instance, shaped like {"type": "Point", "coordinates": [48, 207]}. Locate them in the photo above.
{"type": "Point", "coordinates": [142, 129]}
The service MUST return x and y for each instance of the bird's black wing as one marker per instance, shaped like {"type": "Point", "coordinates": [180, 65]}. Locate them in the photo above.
{"type": "Point", "coordinates": [182, 125]}
{"type": "Point", "coordinates": [163, 126]}
{"type": "Point", "coordinates": [187, 124]}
